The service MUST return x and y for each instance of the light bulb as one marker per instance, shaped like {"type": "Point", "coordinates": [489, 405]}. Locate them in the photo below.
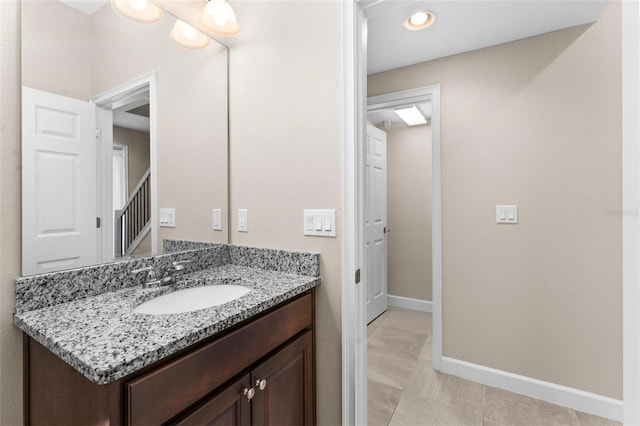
{"type": "Point", "coordinates": [419, 18]}
{"type": "Point", "coordinates": [184, 35]}
{"type": "Point", "coordinates": [190, 33]}
{"type": "Point", "coordinates": [138, 4]}
{"type": "Point", "coordinates": [141, 11]}
{"type": "Point", "coordinates": [219, 18]}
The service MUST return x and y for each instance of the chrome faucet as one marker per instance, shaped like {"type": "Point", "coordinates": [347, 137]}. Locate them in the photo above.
{"type": "Point", "coordinates": [150, 280]}
{"type": "Point", "coordinates": [172, 274]}
{"type": "Point", "coordinates": [168, 274]}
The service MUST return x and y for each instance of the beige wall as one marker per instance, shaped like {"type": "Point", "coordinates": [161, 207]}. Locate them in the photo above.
{"type": "Point", "coordinates": [409, 211]}
{"type": "Point", "coordinates": [10, 336]}
{"type": "Point", "coordinates": [535, 123]}
{"type": "Point", "coordinates": [286, 150]}
{"type": "Point", "coordinates": [60, 64]}
{"type": "Point", "coordinates": [138, 152]}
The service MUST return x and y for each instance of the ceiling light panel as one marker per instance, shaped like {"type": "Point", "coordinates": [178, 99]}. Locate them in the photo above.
{"type": "Point", "coordinates": [411, 115]}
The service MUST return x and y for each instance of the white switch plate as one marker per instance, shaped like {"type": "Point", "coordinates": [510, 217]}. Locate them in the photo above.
{"type": "Point", "coordinates": [168, 218]}
{"type": "Point", "coordinates": [243, 220]}
{"type": "Point", "coordinates": [319, 223]}
{"type": "Point", "coordinates": [217, 219]}
{"type": "Point", "coordinates": [506, 214]}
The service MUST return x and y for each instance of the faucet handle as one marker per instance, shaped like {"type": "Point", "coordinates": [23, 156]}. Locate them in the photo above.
{"type": "Point", "coordinates": [148, 269]}
{"type": "Point", "coordinates": [178, 265]}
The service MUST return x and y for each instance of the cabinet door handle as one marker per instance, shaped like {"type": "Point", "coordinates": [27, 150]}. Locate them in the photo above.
{"type": "Point", "coordinates": [261, 384]}
{"type": "Point", "coordinates": [249, 393]}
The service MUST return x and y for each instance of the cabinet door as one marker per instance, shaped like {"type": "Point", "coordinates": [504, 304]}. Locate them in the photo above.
{"type": "Point", "coordinates": [288, 396]}
{"type": "Point", "coordinates": [227, 407]}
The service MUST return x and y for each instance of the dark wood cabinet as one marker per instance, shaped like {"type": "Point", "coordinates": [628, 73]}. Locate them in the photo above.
{"type": "Point", "coordinates": [230, 407]}
{"type": "Point", "coordinates": [278, 391]}
{"type": "Point", "coordinates": [286, 379]}
{"type": "Point", "coordinates": [260, 372]}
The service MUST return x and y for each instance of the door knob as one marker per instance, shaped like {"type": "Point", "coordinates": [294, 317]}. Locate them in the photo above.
{"type": "Point", "coordinates": [249, 393]}
{"type": "Point", "coordinates": [386, 230]}
{"type": "Point", "coordinates": [261, 384]}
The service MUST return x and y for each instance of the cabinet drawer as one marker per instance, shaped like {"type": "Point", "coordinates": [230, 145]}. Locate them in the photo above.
{"type": "Point", "coordinates": [160, 395]}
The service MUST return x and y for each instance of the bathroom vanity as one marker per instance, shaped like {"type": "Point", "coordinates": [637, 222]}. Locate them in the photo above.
{"type": "Point", "coordinates": [93, 360]}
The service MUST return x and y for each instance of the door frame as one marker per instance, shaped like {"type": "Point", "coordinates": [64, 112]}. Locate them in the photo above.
{"type": "Point", "coordinates": [105, 102]}
{"type": "Point", "coordinates": [631, 207]}
{"type": "Point", "coordinates": [125, 155]}
{"type": "Point", "coordinates": [420, 95]}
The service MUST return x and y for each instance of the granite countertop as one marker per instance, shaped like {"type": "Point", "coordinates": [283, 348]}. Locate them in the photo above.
{"type": "Point", "coordinates": [102, 338]}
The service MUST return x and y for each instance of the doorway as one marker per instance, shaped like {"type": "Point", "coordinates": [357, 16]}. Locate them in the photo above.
{"type": "Point", "coordinates": [127, 115]}
{"type": "Point", "coordinates": [399, 342]}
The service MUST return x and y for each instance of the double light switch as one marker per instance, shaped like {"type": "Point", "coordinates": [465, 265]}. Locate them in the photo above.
{"type": "Point", "coordinates": [506, 214]}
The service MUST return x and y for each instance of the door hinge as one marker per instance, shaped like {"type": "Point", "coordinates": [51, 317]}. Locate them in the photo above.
{"type": "Point", "coordinates": [98, 222]}
{"type": "Point", "coordinates": [98, 134]}
{"type": "Point", "coordinates": [357, 276]}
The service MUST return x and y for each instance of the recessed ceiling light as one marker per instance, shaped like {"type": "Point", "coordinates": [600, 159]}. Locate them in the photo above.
{"type": "Point", "coordinates": [411, 115]}
{"type": "Point", "coordinates": [419, 21]}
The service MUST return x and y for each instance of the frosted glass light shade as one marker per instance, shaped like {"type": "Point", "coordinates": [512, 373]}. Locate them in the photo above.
{"type": "Point", "coordinates": [186, 36]}
{"type": "Point", "coordinates": [141, 11]}
{"type": "Point", "coordinates": [219, 18]}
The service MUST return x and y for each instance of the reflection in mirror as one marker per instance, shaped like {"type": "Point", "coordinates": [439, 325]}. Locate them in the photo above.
{"type": "Point", "coordinates": [119, 124]}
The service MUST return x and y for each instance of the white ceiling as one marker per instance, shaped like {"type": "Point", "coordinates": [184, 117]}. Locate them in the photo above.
{"type": "Point", "coordinates": [86, 6]}
{"type": "Point", "coordinates": [464, 25]}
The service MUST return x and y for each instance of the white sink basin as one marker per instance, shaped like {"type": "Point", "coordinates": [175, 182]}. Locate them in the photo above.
{"type": "Point", "coordinates": [192, 299]}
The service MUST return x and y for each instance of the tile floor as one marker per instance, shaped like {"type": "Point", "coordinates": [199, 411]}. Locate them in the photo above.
{"type": "Point", "coordinates": [405, 390]}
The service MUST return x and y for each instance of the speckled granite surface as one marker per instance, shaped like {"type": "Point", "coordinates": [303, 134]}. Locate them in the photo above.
{"type": "Point", "coordinates": [101, 337]}
{"type": "Point", "coordinates": [295, 262]}
{"type": "Point", "coordinates": [172, 246]}
{"type": "Point", "coordinates": [39, 291]}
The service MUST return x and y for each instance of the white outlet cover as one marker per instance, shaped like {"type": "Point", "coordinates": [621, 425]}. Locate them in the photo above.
{"type": "Point", "coordinates": [217, 219]}
{"type": "Point", "coordinates": [167, 218]}
{"type": "Point", "coordinates": [243, 220]}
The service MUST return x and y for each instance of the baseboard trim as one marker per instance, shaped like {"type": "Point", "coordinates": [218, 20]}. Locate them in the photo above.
{"type": "Point", "coordinates": [590, 403]}
{"type": "Point", "coordinates": [409, 303]}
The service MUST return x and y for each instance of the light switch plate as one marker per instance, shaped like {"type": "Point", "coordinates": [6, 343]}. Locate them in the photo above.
{"type": "Point", "coordinates": [167, 218]}
{"type": "Point", "coordinates": [217, 219]}
{"type": "Point", "coordinates": [507, 214]}
{"type": "Point", "coordinates": [319, 223]}
{"type": "Point", "coordinates": [243, 220]}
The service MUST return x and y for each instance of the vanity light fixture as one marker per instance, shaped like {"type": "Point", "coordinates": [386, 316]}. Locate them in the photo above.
{"type": "Point", "coordinates": [219, 18]}
{"type": "Point", "coordinates": [141, 11]}
{"type": "Point", "coordinates": [419, 21]}
{"type": "Point", "coordinates": [410, 115]}
{"type": "Point", "coordinates": [184, 35]}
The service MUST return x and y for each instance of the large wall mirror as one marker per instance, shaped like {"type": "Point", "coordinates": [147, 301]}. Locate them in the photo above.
{"type": "Point", "coordinates": [124, 136]}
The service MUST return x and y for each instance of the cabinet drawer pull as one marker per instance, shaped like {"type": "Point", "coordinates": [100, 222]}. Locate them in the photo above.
{"type": "Point", "coordinates": [249, 393]}
{"type": "Point", "coordinates": [261, 384]}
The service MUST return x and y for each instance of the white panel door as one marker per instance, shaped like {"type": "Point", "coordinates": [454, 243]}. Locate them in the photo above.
{"type": "Point", "coordinates": [58, 182]}
{"type": "Point", "coordinates": [375, 222]}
